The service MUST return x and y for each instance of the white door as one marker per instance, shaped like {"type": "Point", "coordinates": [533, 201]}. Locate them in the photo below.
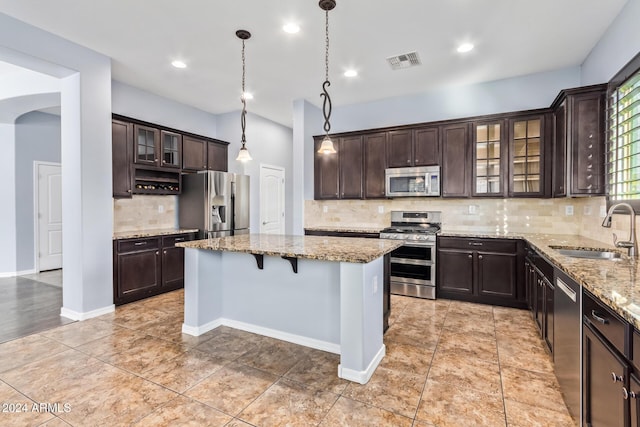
{"type": "Point", "coordinates": [49, 216]}
{"type": "Point", "coordinates": [271, 199]}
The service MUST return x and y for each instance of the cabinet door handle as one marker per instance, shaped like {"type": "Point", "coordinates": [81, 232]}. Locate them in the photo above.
{"type": "Point", "coordinates": [140, 243]}
{"type": "Point", "coordinates": [479, 256]}
{"type": "Point", "coordinates": [475, 243]}
{"type": "Point", "coordinates": [598, 317]}
{"type": "Point", "coordinates": [615, 377]}
{"type": "Point", "coordinates": [470, 256]}
{"type": "Point", "coordinates": [157, 252]}
{"type": "Point", "coordinates": [128, 191]}
{"type": "Point", "coordinates": [625, 393]}
{"type": "Point", "coordinates": [408, 160]}
{"type": "Point", "coordinates": [164, 252]}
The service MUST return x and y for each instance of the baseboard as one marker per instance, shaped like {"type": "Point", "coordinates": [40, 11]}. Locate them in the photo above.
{"type": "Point", "coordinates": [76, 315]}
{"type": "Point", "coordinates": [17, 273]}
{"type": "Point", "coordinates": [284, 336]}
{"type": "Point", "coordinates": [362, 377]}
{"type": "Point", "coordinates": [196, 331]}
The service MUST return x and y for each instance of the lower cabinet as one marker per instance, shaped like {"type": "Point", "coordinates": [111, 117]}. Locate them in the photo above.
{"type": "Point", "coordinates": [608, 393]}
{"type": "Point", "coordinates": [481, 270]}
{"type": "Point", "coordinates": [540, 294]}
{"type": "Point", "coordinates": [147, 266]}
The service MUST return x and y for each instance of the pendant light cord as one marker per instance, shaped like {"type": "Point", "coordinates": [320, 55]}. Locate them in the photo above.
{"type": "Point", "coordinates": [243, 116]}
{"type": "Point", "coordinates": [326, 102]}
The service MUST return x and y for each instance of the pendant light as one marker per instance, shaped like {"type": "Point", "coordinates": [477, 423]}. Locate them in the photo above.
{"type": "Point", "coordinates": [243, 154]}
{"type": "Point", "coordinates": [327, 145]}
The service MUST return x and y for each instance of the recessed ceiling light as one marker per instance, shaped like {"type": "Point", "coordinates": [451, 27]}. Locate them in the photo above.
{"type": "Point", "coordinates": [247, 95]}
{"type": "Point", "coordinates": [179, 64]}
{"type": "Point", "coordinates": [350, 73]}
{"type": "Point", "coordinates": [465, 47]}
{"type": "Point", "coordinates": [291, 28]}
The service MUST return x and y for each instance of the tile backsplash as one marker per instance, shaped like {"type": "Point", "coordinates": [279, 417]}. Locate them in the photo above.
{"type": "Point", "coordinates": [141, 213]}
{"type": "Point", "coordinates": [580, 216]}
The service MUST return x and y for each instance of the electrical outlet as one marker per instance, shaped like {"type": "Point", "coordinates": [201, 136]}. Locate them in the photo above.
{"type": "Point", "coordinates": [586, 210]}
{"type": "Point", "coordinates": [473, 209]}
{"type": "Point", "coordinates": [603, 211]}
{"type": "Point", "coordinates": [568, 210]}
{"type": "Point", "coordinates": [380, 209]}
{"type": "Point", "coordinates": [160, 208]}
{"type": "Point", "coordinates": [325, 209]}
{"type": "Point", "coordinates": [375, 284]}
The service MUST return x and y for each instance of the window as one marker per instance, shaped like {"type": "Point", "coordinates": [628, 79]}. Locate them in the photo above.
{"type": "Point", "coordinates": [623, 139]}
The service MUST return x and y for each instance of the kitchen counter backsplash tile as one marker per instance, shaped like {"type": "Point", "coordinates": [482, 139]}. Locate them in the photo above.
{"type": "Point", "coordinates": [491, 215]}
{"type": "Point", "coordinates": [342, 249]}
{"type": "Point", "coordinates": [146, 212]}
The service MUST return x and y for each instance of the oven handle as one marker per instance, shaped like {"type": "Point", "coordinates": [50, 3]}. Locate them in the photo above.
{"type": "Point", "coordinates": [419, 245]}
{"type": "Point", "coordinates": [407, 261]}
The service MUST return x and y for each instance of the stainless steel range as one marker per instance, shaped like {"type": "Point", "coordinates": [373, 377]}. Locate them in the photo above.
{"type": "Point", "coordinates": [413, 265]}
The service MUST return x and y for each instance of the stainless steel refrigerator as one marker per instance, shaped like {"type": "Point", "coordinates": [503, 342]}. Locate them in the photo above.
{"type": "Point", "coordinates": [216, 203]}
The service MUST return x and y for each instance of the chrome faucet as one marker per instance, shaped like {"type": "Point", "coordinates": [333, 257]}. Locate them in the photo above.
{"type": "Point", "coordinates": [632, 243]}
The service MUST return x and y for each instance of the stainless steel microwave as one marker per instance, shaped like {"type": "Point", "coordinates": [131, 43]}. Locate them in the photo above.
{"type": "Point", "coordinates": [412, 182]}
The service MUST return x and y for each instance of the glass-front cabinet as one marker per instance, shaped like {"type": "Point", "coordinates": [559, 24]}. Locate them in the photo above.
{"type": "Point", "coordinates": [146, 145]}
{"type": "Point", "coordinates": [488, 159]}
{"type": "Point", "coordinates": [171, 144]}
{"type": "Point", "coordinates": [527, 156]}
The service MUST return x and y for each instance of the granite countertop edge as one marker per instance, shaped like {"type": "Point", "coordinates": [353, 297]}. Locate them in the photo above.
{"type": "Point", "coordinates": [321, 248]}
{"type": "Point", "coordinates": [152, 233]}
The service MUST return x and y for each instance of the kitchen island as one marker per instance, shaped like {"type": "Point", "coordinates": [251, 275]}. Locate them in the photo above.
{"type": "Point", "coordinates": [321, 292]}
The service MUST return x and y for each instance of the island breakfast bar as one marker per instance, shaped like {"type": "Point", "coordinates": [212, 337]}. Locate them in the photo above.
{"type": "Point", "coordinates": [320, 292]}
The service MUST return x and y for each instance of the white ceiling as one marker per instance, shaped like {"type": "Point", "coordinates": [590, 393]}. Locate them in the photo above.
{"type": "Point", "coordinates": [512, 37]}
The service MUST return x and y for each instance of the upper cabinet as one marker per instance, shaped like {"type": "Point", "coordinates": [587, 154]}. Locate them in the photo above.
{"type": "Point", "coordinates": [413, 147]}
{"type": "Point", "coordinates": [489, 159]}
{"type": "Point", "coordinates": [455, 175]}
{"type": "Point", "coordinates": [339, 175]}
{"type": "Point", "coordinates": [527, 139]}
{"type": "Point", "coordinates": [149, 159]}
{"type": "Point", "coordinates": [579, 142]}
{"type": "Point", "coordinates": [375, 163]}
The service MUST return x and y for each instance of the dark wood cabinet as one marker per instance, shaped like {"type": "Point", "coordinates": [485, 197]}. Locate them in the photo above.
{"type": "Point", "coordinates": [455, 164]}
{"type": "Point", "coordinates": [481, 270]}
{"type": "Point", "coordinates": [634, 400]}
{"type": "Point", "coordinates": [122, 150]}
{"type": "Point", "coordinates": [399, 148]}
{"type": "Point", "coordinates": [350, 155]}
{"type": "Point", "coordinates": [326, 174]}
{"type": "Point", "coordinates": [426, 146]}
{"type": "Point", "coordinates": [541, 293]}
{"type": "Point", "coordinates": [146, 145]}
{"type": "Point", "coordinates": [375, 163]}
{"type": "Point", "coordinates": [603, 401]}
{"type": "Point", "coordinates": [217, 156]}
{"type": "Point", "coordinates": [194, 154]}
{"type": "Point", "coordinates": [579, 142]}
{"type": "Point", "coordinates": [489, 159]}
{"type": "Point", "coordinates": [528, 136]}
{"type": "Point", "coordinates": [170, 149]}
{"type": "Point", "coordinates": [549, 313]}
{"type": "Point", "coordinates": [147, 266]}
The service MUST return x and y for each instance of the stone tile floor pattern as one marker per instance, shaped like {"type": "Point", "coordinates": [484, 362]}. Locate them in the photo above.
{"type": "Point", "coordinates": [448, 363]}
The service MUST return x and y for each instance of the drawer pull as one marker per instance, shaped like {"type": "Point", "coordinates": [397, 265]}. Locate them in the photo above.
{"type": "Point", "coordinates": [616, 377]}
{"type": "Point", "coordinates": [598, 317]}
{"type": "Point", "coordinates": [140, 243]}
{"type": "Point", "coordinates": [475, 243]}
{"type": "Point", "coordinates": [179, 239]}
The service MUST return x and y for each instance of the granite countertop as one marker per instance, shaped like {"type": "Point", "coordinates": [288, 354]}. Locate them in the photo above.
{"type": "Point", "coordinates": [350, 229]}
{"type": "Point", "coordinates": [341, 249]}
{"type": "Point", "coordinates": [152, 233]}
{"type": "Point", "coordinates": [615, 282]}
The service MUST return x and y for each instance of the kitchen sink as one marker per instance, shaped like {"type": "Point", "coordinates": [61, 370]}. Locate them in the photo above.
{"type": "Point", "coordinates": [587, 253]}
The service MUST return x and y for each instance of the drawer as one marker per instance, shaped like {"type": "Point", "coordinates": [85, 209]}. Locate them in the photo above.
{"type": "Point", "coordinates": [135, 245]}
{"type": "Point", "coordinates": [170, 241]}
{"type": "Point", "coordinates": [482, 245]}
{"type": "Point", "coordinates": [608, 323]}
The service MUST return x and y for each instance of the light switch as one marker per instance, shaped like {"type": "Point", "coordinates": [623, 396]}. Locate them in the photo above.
{"type": "Point", "coordinates": [587, 210]}
{"type": "Point", "coordinates": [568, 210]}
{"type": "Point", "coordinates": [380, 209]}
{"type": "Point", "coordinates": [160, 208]}
{"type": "Point", "coordinates": [325, 209]}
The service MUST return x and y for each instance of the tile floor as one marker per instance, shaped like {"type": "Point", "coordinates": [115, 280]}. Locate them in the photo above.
{"type": "Point", "coordinates": [448, 363]}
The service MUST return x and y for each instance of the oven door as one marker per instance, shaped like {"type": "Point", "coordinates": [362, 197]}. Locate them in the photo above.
{"type": "Point", "coordinates": [413, 270]}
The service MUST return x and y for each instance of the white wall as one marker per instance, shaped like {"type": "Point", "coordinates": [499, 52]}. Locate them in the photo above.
{"type": "Point", "coordinates": [269, 143]}
{"type": "Point", "coordinates": [619, 44]}
{"type": "Point", "coordinates": [37, 138]}
{"type": "Point", "coordinates": [8, 197]}
{"type": "Point", "coordinates": [86, 158]}
{"type": "Point", "coordinates": [139, 104]}
{"type": "Point", "coordinates": [500, 96]}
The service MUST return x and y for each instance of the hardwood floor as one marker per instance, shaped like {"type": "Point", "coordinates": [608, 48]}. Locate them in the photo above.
{"type": "Point", "coordinates": [28, 306]}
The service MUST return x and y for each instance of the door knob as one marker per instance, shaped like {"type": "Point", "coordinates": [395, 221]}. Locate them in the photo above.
{"type": "Point", "coordinates": [264, 222]}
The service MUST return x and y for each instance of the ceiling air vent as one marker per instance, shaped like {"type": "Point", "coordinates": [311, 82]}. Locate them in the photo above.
{"type": "Point", "coordinates": [405, 60]}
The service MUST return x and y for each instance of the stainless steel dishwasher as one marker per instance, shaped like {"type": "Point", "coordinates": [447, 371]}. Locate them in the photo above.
{"type": "Point", "coordinates": [567, 362]}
